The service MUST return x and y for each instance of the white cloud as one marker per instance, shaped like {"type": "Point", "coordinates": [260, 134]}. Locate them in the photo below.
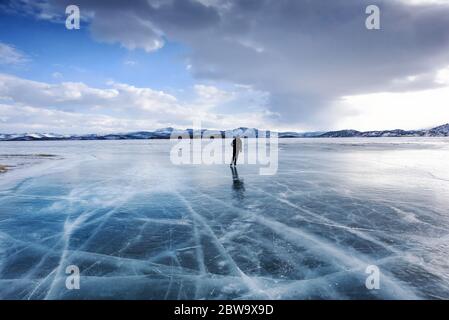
{"type": "Point", "coordinates": [9, 55]}
{"type": "Point", "coordinates": [27, 92]}
{"type": "Point", "coordinates": [382, 111]}
{"type": "Point", "coordinates": [136, 33]}
{"type": "Point", "coordinates": [442, 76]}
{"type": "Point", "coordinates": [32, 119]}
{"type": "Point", "coordinates": [210, 96]}
{"type": "Point", "coordinates": [396, 110]}
{"type": "Point", "coordinates": [425, 2]}
{"type": "Point", "coordinates": [74, 107]}
{"type": "Point", "coordinates": [130, 63]}
{"type": "Point", "coordinates": [71, 107]}
{"type": "Point", "coordinates": [57, 75]}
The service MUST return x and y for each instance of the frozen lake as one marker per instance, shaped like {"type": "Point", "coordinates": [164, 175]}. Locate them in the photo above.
{"type": "Point", "coordinates": [139, 227]}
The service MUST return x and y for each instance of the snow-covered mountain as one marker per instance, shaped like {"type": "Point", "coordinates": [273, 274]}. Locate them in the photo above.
{"type": "Point", "coordinates": [32, 136]}
{"type": "Point", "coordinates": [165, 133]}
{"type": "Point", "coordinates": [441, 131]}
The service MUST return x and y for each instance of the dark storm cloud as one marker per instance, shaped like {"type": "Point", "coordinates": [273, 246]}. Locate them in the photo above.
{"type": "Point", "coordinates": [305, 53]}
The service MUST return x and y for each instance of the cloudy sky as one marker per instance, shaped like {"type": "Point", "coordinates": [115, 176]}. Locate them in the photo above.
{"type": "Point", "coordinates": [300, 65]}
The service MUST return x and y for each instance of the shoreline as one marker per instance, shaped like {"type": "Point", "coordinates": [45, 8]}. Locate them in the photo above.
{"type": "Point", "coordinates": [17, 161]}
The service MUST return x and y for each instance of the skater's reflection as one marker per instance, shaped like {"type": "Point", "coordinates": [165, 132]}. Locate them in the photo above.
{"type": "Point", "coordinates": [237, 184]}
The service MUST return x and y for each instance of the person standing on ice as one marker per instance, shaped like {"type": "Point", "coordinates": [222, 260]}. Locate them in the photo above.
{"type": "Point", "coordinates": [236, 149]}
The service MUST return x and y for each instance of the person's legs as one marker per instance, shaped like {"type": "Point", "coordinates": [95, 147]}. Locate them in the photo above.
{"type": "Point", "coordinates": [234, 156]}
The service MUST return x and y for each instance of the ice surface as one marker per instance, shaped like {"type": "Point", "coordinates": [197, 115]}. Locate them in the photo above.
{"type": "Point", "coordinates": [139, 227]}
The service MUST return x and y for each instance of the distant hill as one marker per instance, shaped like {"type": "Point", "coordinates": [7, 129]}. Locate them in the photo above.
{"type": "Point", "coordinates": [165, 133]}
{"type": "Point", "coordinates": [441, 131]}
